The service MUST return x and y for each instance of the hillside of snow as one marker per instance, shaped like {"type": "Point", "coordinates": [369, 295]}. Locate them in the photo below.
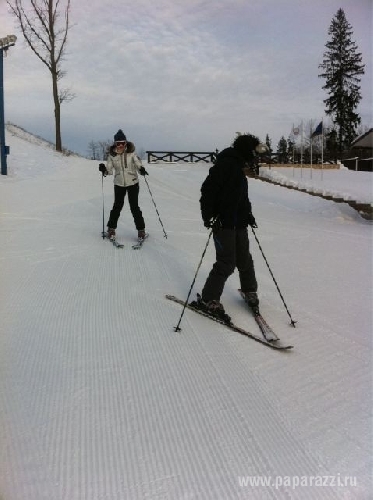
{"type": "Point", "coordinates": [344, 183]}
{"type": "Point", "coordinates": [101, 399]}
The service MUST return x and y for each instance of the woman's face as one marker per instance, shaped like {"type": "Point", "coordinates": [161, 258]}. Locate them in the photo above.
{"type": "Point", "coordinates": [120, 145]}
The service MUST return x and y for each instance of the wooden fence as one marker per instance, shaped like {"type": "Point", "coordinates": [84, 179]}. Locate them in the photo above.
{"type": "Point", "coordinates": [185, 156]}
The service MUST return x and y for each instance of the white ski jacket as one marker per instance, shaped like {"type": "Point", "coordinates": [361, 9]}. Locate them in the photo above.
{"type": "Point", "coordinates": [125, 167]}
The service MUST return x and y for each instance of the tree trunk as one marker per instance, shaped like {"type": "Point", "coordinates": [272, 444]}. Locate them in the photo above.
{"type": "Point", "coordinates": [57, 113]}
{"type": "Point", "coordinates": [45, 25]}
{"type": "Point", "coordinates": [54, 72]}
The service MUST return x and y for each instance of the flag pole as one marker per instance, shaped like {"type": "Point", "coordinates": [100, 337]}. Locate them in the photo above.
{"type": "Point", "coordinates": [320, 131]}
{"type": "Point", "coordinates": [301, 151]}
{"type": "Point", "coordinates": [311, 141]}
{"type": "Point", "coordinates": [322, 149]}
{"type": "Point", "coordinates": [292, 132]}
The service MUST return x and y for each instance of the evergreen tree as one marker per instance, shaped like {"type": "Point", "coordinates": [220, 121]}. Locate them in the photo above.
{"type": "Point", "coordinates": [331, 144]}
{"type": "Point", "coordinates": [290, 147]}
{"type": "Point", "coordinates": [342, 66]}
{"type": "Point", "coordinates": [282, 150]}
{"type": "Point", "coordinates": [269, 144]}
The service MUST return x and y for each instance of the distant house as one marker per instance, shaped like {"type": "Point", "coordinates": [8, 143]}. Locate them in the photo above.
{"type": "Point", "coordinates": [361, 153]}
{"type": "Point", "coordinates": [364, 142]}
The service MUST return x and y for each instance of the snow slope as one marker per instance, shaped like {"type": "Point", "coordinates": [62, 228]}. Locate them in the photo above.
{"type": "Point", "coordinates": [101, 399]}
{"type": "Point", "coordinates": [343, 183]}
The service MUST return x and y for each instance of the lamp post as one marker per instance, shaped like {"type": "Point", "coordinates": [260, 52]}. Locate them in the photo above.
{"type": "Point", "coordinates": [5, 43]}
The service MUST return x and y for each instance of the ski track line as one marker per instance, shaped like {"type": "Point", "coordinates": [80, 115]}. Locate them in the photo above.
{"type": "Point", "coordinates": [175, 438]}
{"type": "Point", "coordinates": [320, 323]}
{"type": "Point", "coordinates": [44, 406]}
{"type": "Point", "coordinates": [100, 398]}
{"type": "Point", "coordinates": [162, 186]}
{"type": "Point", "coordinates": [31, 351]}
{"type": "Point", "coordinates": [145, 400]}
{"type": "Point", "coordinates": [25, 377]}
{"type": "Point", "coordinates": [105, 401]}
{"type": "Point", "coordinates": [244, 390]}
{"type": "Point", "coordinates": [322, 383]}
{"type": "Point", "coordinates": [201, 435]}
{"type": "Point", "coordinates": [316, 388]}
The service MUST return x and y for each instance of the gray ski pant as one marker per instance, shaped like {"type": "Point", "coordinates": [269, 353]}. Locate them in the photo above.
{"type": "Point", "coordinates": [232, 250]}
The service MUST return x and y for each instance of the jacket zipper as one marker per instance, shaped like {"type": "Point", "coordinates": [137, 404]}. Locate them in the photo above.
{"type": "Point", "coordinates": [121, 164]}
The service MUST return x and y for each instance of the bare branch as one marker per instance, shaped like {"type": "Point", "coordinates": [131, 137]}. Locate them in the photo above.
{"type": "Point", "coordinates": [45, 27]}
{"type": "Point", "coordinates": [67, 26]}
{"type": "Point", "coordinates": [66, 95]}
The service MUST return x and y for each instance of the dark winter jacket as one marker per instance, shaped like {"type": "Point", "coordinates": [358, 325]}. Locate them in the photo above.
{"type": "Point", "coordinates": [224, 192]}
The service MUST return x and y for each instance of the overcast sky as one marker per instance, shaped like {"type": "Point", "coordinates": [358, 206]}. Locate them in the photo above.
{"type": "Point", "coordinates": [184, 74]}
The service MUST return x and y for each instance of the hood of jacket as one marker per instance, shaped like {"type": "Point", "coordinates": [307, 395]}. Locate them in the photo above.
{"type": "Point", "coordinates": [224, 192]}
{"type": "Point", "coordinates": [229, 153]}
{"type": "Point", "coordinates": [230, 161]}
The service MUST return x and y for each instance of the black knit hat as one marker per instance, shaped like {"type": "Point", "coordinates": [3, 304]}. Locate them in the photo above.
{"type": "Point", "coordinates": [245, 145]}
{"type": "Point", "coordinates": [119, 136]}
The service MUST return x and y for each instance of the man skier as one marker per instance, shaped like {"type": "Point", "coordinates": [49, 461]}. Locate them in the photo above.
{"type": "Point", "coordinates": [226, 208]}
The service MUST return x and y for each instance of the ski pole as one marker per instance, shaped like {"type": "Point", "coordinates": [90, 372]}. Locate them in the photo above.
{"type": "Point", "coordinates": [177, 327]}
{"type": "Point", "coordinates": [103, 207]}
{"type": "Point", "coordinates": [292, 322]}
{"type": "Point", "coordinates": [159, 217]}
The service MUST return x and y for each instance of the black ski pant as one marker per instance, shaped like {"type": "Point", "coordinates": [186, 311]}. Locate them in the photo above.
{"type": "Point", "coordinates": [232, 250]}
{"type": "Point", "coordinates": [133, 198]}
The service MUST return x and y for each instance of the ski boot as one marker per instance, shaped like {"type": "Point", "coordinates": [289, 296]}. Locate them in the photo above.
{"type": "Point", "coordinates": [111, 233]}
{"type": "Point", "coordinates": [252, 300]}
{"type": "Point", "coordinates": [213, 308]}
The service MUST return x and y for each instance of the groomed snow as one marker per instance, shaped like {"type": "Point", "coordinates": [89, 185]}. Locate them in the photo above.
{"type": "Point", "coordinates": [342, 183]}
{"type": "Point", "coordinates": [101, 399]}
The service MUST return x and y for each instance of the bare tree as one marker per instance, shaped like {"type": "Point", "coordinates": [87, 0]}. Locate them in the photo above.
{"type": "Point", "coordinates": [104, 147]}
{"type": "Point", "coordinates": [45, 26]}
{"type": "Point", "coordinates": [141, 153]}
{"type": "Point", "coordinates": [99, 150]}
{"type": "Point", "coordinates": [93, 151]}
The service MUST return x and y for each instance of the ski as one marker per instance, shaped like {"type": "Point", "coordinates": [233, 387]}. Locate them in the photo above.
{"type": "Point", "coordinates": [140, 242]}
{"type": "Point", "coordinates": [112, 240]}
{"type": "Point", "coordinates": [274, 344]}
{"type": "Point", "coordinates": [117, 244]}
{"type": "Point", "coordinates": [266, 330]}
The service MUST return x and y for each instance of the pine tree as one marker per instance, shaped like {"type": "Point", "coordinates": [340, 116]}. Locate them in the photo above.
{"type": "Point", "coordinates": [269, 144]}
{"type": "Point", "coordinates": [342, 66]}
{"type": "Point", "coordinates": [282, 150]}
{"type": "Point", "coordinates": [290, 147]}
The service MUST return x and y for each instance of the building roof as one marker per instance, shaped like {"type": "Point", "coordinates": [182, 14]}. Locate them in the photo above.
{"type": "Point", "coordinates": [364, 140]}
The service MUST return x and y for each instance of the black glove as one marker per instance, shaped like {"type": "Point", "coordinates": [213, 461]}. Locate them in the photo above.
{"type": "Point", "coordinates": [102, 169]}
{"type": "Point", "coordinates": [251, 220]}
{"type": "Point", "coordinates": [253, 168]}
{"type": "Point", "coordinates": [143, 171]}
{"type": "Point", "coordinates": [213, 223]}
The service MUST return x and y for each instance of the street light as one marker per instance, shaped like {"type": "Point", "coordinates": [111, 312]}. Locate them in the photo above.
{"type": "Point", "coordinates": [5, 43]}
